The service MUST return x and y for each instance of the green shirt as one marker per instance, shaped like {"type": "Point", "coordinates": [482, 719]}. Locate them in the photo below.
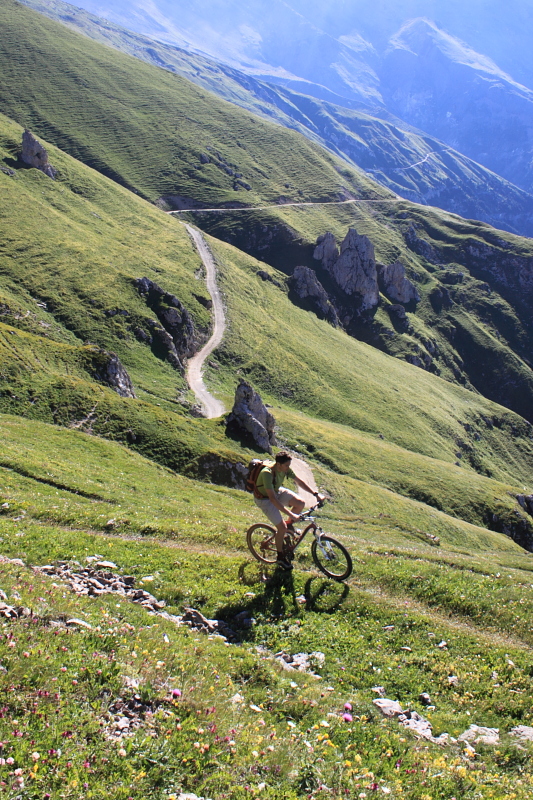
{"type": "Point", "coordinates": [270, 479]}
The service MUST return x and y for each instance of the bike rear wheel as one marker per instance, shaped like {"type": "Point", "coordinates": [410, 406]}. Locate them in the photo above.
{"type": "Point", "coordinates": [261, 543]}
{"type": "Point", "coordinates": [332, 558]}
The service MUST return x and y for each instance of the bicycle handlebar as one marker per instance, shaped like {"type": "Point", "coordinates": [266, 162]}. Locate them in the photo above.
{"type": "Point", "coordinates": [310, 510]}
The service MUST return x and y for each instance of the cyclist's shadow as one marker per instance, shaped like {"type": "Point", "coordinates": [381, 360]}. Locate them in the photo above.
{"type": "Point", "coordinates": [279, 597]}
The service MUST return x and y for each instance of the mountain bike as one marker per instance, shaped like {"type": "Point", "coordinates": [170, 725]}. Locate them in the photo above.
{"type": "Point", "coordinates": [329, 555]}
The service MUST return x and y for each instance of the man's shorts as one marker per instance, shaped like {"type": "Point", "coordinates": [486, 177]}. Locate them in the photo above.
{"type": "Point", "coordinates": [269, 509]}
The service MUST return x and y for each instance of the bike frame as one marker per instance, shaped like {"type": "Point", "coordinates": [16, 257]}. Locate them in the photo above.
{"type": "Point", "coordinates": [313, 526]}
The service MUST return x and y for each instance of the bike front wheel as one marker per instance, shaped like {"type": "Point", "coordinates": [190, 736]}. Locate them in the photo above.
{"type": "Point", "coordinates": [332, 558]}
{"type": "Point", "coordinates": [261, 543]}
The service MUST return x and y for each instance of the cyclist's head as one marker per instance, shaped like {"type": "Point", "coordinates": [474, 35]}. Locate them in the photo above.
{"type": "Point", "coordinates": [283, 458]}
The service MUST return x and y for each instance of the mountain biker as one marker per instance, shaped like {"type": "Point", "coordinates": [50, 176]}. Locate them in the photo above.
{"type": "Point", "coordinates": [274, 498]}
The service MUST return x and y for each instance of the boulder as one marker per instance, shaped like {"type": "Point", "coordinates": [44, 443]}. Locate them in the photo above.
{"type": "Point", "coordinates": [107, 368]}
{"type": "Point", "coordinates": [479, 735]}
{"type": "Point", "coordinates": [251, 417]}
{"type": "Point", "coordinates": [389, 708]}
{"type": "Point", "coordinates": [305, 285]}
{"type": "Point", "coordinates": [395, 285]}
{"type": "Point", "coordinates": [35, 155]}
{"type": "Point", "coordinates": [523, 732]}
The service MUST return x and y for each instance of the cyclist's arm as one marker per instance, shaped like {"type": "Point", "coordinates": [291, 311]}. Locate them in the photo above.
{"type": "Point", "coordinates": [305, 487]}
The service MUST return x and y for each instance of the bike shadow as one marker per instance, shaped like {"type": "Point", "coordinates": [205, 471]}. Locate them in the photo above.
{"type": "Point", "coordinates": [276, 597]}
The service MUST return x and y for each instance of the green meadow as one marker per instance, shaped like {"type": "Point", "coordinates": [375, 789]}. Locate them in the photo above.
{"type": "Point", "coordinates": [421, 470]}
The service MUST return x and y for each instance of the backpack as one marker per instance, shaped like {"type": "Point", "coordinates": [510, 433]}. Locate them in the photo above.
{"type": "Point", "coordinates": [254, 468]}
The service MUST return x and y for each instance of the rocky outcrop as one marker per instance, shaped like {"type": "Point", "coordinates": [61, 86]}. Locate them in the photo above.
{"type": "Point", "coordinates": [174, 337]}
{"type": "Point", "coordinates": [440, 298]}
{"type": "Point", "coordinates": [326, 250]}
{"type": "Point", "coordinates": [107, 368]}
{"type": "Point", "coordinates": [421, 246]}
{"type": "Point", "coordinates": [526, 501]}
{"type": "Point", "coordinates": [116, 376]}
{"type": "Point", "coordinates": [251, 417]}
{"type": "Point", "coordinates": [399, 317]}
{"type": "Point", "coordinates": [218, 469]}
{"type": "Point", "coordinates": [353, 269]}
{"type": "Point", "coordinates": [305, 286]}
{"type": "Point", "coordinates": [34, 154]}
{"type": "Point", "coordinates": [395, 285]}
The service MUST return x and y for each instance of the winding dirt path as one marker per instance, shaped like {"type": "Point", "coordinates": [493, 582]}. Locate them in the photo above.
{"type": "Point", "coordinates": [211, 407]}
{"type": "Point", "coordinates": [303, 471]}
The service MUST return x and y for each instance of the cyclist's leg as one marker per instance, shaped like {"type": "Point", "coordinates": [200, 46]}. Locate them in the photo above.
{"type": "Point", "coordinates": [274, 515]}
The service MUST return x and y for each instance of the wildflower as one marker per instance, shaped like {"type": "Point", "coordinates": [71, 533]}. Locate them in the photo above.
{"type": "Point", "coordinates": [176, 693]}
{"type": "Point", "coordinates": [347, 706]}
{"type": "Point", "coordinates": [347, 717]}
{"type": "Point", "coordinates": [35, 756]}
{"type": "Point", "coordinates": [10, 760]}
{"type": "Point", "coordinates": [122, 752]}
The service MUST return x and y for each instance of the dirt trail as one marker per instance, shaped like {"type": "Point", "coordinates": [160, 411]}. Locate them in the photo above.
{"type": "Point", "coordinates": [303, 471]}
{"type": "Point", "coordinates": [394, 199]}
{"type": "Point", "coordinates": [211, 407]}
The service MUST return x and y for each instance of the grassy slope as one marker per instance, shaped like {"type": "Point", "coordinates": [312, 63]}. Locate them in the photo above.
{"type": "Point", "coordinates": [483, 318]}
{"type": "Point", "coordinates": [404, 599]}
{"type": "Point", "coordinates": [161, 126]}
{"type": "Point", "coordinates": [47, 374]}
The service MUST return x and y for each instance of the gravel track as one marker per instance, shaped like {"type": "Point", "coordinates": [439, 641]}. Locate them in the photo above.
{"type": "Point", "coordinates": [211, 407]}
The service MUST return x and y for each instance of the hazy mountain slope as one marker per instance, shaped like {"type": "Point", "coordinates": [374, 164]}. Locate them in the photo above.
{"type": "Point", "coordinates": [444, 87]}
{"type": "Point", "coordinates": [162, 154]}
{"type": "Point", "coordinates": [259, 36]}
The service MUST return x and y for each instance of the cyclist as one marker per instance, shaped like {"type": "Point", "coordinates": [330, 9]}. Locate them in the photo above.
{"type": "Point", "coordinates": [274, 500]}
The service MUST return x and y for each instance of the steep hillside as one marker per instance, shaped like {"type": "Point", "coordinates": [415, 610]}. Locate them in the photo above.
{"type": "Point", "coordinates": [145, 654]}
{"type": "Point", "coordinates": [189, 149]}
{"type": "Point", "coordinates": [416, 166]}
{"type": "Point", "coordinates": [71, 303]}
{"type": "Point", "coordinates": [103, 552]}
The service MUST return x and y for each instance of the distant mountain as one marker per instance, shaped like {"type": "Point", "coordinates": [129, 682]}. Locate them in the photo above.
{"type": "Point", "coordinates": [438, 83]}
{"type": "Point", "coordinates": [397, 155]}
